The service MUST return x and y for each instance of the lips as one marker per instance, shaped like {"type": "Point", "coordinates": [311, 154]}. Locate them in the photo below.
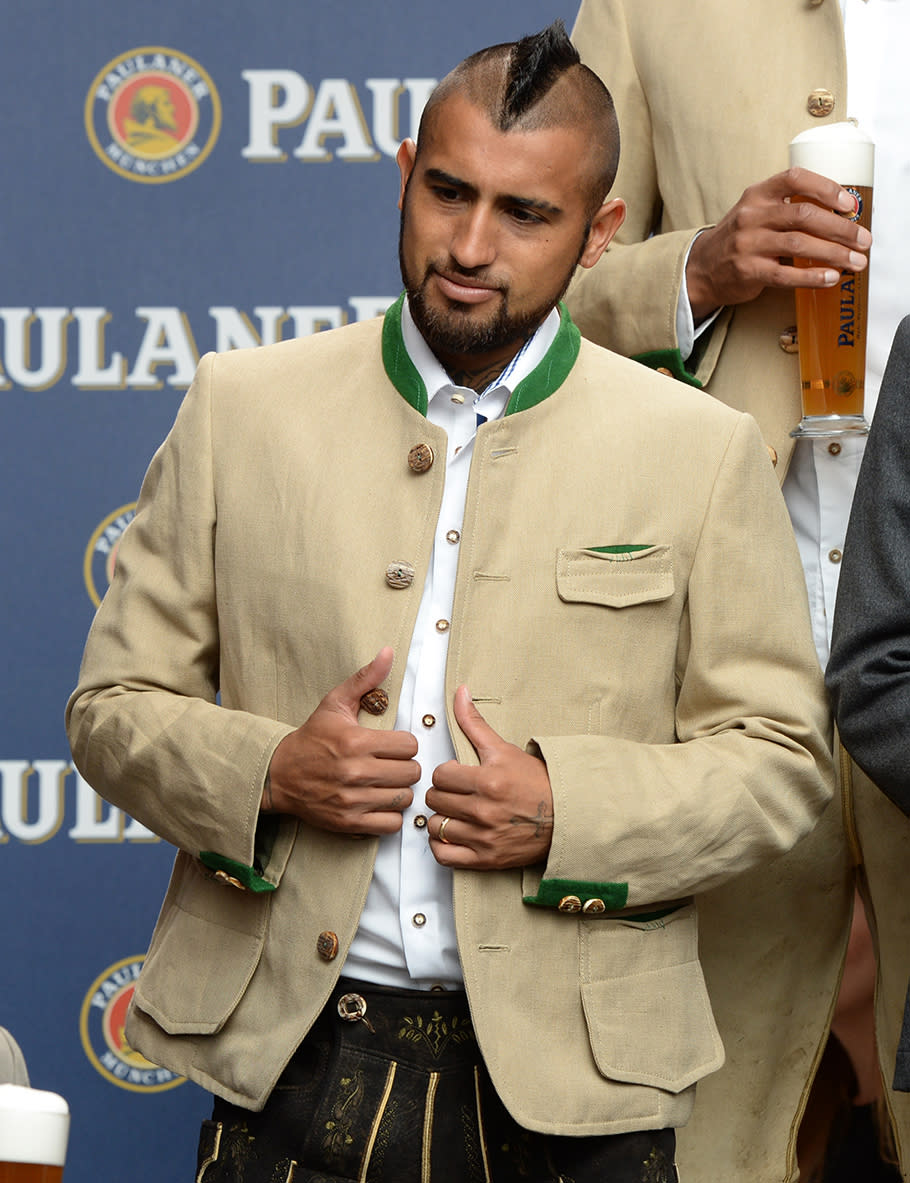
{"type": "Point", "coordinates": [463, 290]}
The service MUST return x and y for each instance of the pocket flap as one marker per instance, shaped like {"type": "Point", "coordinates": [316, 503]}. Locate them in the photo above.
{"type": "Point", "coordinates": [653, 1028]}
{"type": "Point", "coordinates": [193, 980]}
{"type": "Point", "coordinates": [616, 578]}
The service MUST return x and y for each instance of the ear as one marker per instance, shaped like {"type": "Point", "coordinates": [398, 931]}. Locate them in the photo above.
{"type": "Point", "coordinates": [406, 155]}
{"type": "Point", "coordinates": [604, 225]}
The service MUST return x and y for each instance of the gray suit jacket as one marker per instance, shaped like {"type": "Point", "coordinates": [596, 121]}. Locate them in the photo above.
{"type": "Point", "coordinates": [12, 1063]}
{"type": "Point", "coordinates": [869, 671]}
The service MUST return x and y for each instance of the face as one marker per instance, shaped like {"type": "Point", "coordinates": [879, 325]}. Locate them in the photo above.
{"type": "Point", "coordinates": [493, 225]}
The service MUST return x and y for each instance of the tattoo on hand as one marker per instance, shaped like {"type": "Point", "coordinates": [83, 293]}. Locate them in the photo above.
{"type": "Point", "coordinates": [541, 821]}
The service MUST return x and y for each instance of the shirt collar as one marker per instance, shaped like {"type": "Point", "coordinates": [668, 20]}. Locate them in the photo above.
{"type": "Point", "coordinates": [491, 402]}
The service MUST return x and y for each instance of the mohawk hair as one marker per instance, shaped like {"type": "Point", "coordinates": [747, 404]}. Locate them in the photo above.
{"type": "Point", "coordinates": [537, 82]}
{"type": "Point", "coordinates": [535, 64]}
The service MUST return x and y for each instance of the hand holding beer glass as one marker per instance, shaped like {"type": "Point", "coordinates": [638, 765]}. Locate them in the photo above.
{"type": "Point", "coordinates": [831, 322]}
{"type": "Point", "coordinates": [34, 1128]}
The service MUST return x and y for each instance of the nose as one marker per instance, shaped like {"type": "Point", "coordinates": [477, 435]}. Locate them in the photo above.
{"type": "Point", "coordinates": [474, 240]}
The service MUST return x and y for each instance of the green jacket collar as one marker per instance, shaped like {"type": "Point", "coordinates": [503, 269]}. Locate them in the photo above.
{"type": "Point", "coordinates": [548, 375]}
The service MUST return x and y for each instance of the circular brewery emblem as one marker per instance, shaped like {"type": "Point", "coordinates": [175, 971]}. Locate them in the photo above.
{"type": "Point", "coordinates": [101, 552]}
{"type": "Point", "coordinates": [858, 198]}
{"type": "Point", "coordinates": [102, 1023]}
{"type": "Point", "coordinates": [152, 114]}
{"type": "Point", "coordinates": [845, 383]}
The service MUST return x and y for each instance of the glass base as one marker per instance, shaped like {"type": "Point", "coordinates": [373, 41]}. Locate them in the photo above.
{"type": "Point", "coordinates": [823, 426]}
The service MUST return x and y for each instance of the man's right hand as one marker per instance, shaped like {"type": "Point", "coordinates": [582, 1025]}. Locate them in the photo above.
{"type": "Point", "coordinates": [337, 775]}
{"type": "Point", "coordinates": [750, 248]}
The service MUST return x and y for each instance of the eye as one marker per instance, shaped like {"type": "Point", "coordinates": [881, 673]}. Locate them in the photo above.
{"type": "Point", "coordinates": [525, 216]}
{"type": "Point", "coordinates": [445, 193]}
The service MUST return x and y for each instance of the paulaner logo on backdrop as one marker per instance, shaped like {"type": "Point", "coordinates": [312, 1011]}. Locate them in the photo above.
{"type": "Point", "coordinates": [101, 552]}
{"type": "Point", "coordinates": [152, 114]}
{"type": "Point", "coordinates": [101, 1026]}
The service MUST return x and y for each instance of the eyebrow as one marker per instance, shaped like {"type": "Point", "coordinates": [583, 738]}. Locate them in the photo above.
{"type": "Point", "coordinates": [531, 203]}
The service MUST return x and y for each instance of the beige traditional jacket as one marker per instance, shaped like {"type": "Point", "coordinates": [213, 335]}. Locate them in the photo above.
{"type": "Point", "coordinates": [708, 97]}
{"type": "Point", "coordinates": [623, 601]}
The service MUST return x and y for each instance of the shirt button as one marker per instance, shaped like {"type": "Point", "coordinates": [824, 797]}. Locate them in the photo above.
{"type": "Point", "coordinates": [429, 720]}
{"type": "Point", "coordinates": [453, 536]}
{"type": "Point", "coordinates": [420, 822]}
{"type": "Point", "coordinates": [418, 920]}
{"type": "Point", "coordinates": [835, 555]}
{"type": "Point", "coordinates": [457, 399]}
{"type": "Point", "coordinates": [834, 448]}
{"type": "Point", "coordinates": [442, 626]}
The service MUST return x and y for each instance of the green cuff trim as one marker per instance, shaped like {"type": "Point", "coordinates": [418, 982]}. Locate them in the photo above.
{"type": "Point", "coordinates": [248, 877]}
{"type": "Point", "coordinates": [552, 892]}
{"type": "Point", "coordinates": [668, 359]}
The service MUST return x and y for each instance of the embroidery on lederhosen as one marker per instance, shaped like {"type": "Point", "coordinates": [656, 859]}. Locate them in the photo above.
{"type": "Point", "coordinates": [657, 1169]}
{"type": "Point", "coordinates": [436, 1033]}
{"type": "Point", "coordinates": [344, 1111]}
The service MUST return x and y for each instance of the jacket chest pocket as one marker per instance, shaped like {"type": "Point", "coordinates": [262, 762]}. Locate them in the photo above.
{"type": "Point", "coordinates": [615, 576]}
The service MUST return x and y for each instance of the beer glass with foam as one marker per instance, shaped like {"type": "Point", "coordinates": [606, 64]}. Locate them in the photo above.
{"type": "Point", "coordinates": [831, 322]}
{"type": "Point", "coordinates": [34, 1128]}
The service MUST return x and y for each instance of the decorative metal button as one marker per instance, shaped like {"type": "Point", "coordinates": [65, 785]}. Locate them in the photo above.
{"type": "Point", "coordinates": [594, 907]}
{"type": "Point", "coordinates": [420, 822]}
{"type": "Point", "coordinates": [834, 448]}
{"type": "Point", "coordinates": [835, 555]}
{"type": "Point", "coordinates": [787, 340]}
{"type": "Point", "coordinates": [375, 702]}
{"type": "Point", "coordinates": [665, 371]}
{"type": "Point", "coordinates": [420, 458]}
{"type": "Point", "coordinates": [453, 536]}
{"type": "Point", "coordinates": [569, 903]}
{"type": "Point", "coordinates": [352, 1007]}
{"type": "Point", "coordinates": [429, 720]}
{"type": "Point", "coordinates": [820, 103]}
{"type": "Point", "coordinates": [772, 452]}
{"type": "Point", "coordinates": [327, 946]}
{"type": "Point", "coordinates": [231, 880]}
{"type": "Point", "coordinates": [442, 626]}
{"type": "Point", "coordinates": [399, 575]}
{"type": "Point", "coordinates": [418, 920]}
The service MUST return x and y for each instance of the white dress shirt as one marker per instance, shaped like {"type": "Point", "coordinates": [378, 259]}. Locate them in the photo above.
{"type": "Point", "coordinates": [406, 936]}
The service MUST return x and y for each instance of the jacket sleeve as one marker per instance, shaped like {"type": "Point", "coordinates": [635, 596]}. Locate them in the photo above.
{"type": "Point", "coordinates": [751, 769]}
{"type": "Point", "coordinates": [869, 669]}
{"type": "Point", "coordinates": [627, 302]}
{"type": "Point", "coordinates": [145, 725]}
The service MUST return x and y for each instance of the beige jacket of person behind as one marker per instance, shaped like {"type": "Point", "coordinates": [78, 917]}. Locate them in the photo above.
{"type": "Point", "coordinates": [708, 97]}
{"type": "Point", "coordinates": [623, 596]}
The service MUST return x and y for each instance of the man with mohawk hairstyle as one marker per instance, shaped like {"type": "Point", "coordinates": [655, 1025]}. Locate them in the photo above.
{"type": "Point", "coordinates": [433, 921]}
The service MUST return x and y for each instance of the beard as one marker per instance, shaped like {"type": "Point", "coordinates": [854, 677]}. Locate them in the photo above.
{"type": "Point", "coordinates": [455, 329]}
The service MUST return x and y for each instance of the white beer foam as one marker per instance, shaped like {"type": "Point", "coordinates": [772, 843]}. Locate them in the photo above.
{"type": "Point", "coordinates": [839, 151]}
{"type": "Point", "coordinates": [34, 1126]}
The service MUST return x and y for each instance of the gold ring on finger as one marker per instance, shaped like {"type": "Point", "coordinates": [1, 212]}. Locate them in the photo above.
{"type": "Point", "coordinates": [442, 830]}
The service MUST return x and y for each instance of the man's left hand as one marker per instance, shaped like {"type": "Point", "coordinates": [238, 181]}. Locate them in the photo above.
{"type": "Point", "coordinates": [500, 814]}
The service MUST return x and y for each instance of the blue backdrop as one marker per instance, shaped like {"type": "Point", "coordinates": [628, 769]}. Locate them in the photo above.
{"type": "Point", "coordinates": [176, 177]}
